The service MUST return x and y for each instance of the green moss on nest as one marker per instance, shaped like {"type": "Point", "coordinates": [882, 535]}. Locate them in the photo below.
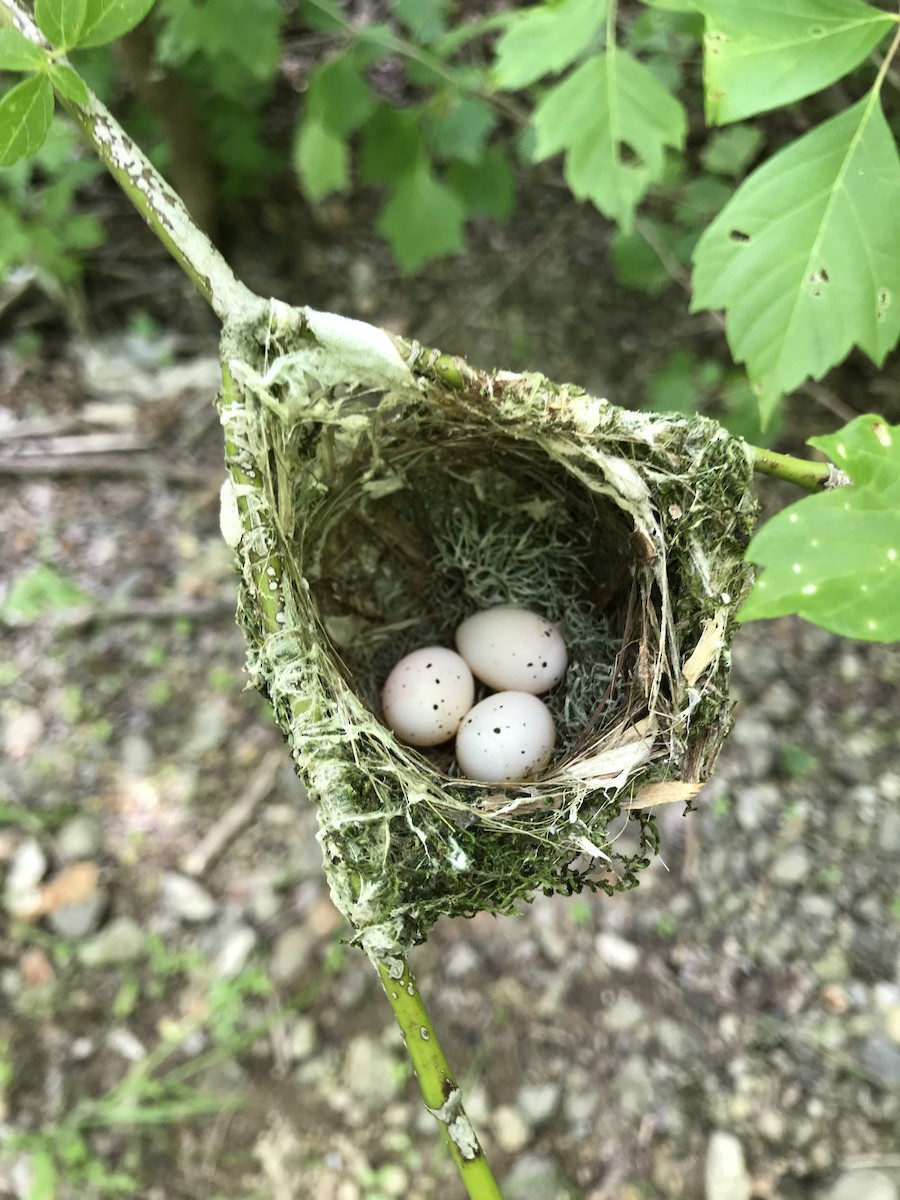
{"type": "Point", "coordinates": [395, 498]}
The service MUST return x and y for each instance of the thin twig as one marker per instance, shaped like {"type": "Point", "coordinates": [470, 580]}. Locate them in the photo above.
{"type": "Point", "coordinates": [138, 466]}
{"type": "Point", "coordinates": [236, 816]}
{"type": "Point", "coordinates": [145, 610]}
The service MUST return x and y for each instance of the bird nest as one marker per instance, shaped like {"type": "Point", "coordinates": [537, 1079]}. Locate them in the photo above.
{"type": "Point", "coordinates": [379, 494]}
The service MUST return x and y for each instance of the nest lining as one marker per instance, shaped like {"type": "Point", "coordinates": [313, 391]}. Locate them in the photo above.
{"type": "Point", "coordinates": [382, 505]}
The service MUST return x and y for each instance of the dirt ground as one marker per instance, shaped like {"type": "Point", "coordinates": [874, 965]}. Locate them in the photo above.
{"type": "Point", "coordinates": [180, 1018]}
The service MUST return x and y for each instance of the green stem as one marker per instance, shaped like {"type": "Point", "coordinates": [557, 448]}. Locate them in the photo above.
{"type": "Point", "coordinates": [813, 476]}
{"type": "Point", "coordinates": [440, 1091]}
{"type": "Point", "coordinates": [154, 199]}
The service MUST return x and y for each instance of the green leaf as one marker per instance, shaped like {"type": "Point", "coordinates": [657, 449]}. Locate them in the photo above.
{"type": "Point", "coordinates": [805, 258]}
{"type": "Point", "coordinates": [545, 39]}
{"type": "Point", "coordinates": [338, 96]}
{"type": "Point", "coordinates": [391, 144]}
{"type": "Point", "coordinates": [25, 115]}
{"type": "Point", "coordinates": [423, 18]}
{"type": "Point", "coordinates": [422, 220]}
{"type": "Point", "coordinates": [61, 21]}
{"type": "Point", "coordinates": [461, 132]}
{"type": "Point", "coordinates": [321, 159]}
{"type": "Point", "coordinates": [18, 54]}
{"type": "Point", "coordinates": [239, 41]}
{"type": "Point", "coordinates": [39, 591]}
{"type": "Point", "coordinates": [834, 558]}
{"type": "Point", "coordinates": [612, 118]}
{"type": "Point", "coordinates": [729, 152]}
{"type": "Point", "coordinates": [769, 53]}
{"type": "Point", "coordinates": [107, 20]}
{"type": "Point", "coordinates": [68, 83]}
{"type": "Point", "coordinates": [487, 188]}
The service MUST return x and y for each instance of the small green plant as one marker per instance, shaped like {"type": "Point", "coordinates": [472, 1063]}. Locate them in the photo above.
{"type": "Point", "coordinates": [39, 591]}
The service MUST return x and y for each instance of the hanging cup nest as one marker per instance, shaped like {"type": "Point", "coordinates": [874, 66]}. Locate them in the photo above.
{"type": "Point", "coordinates": [379, 494]}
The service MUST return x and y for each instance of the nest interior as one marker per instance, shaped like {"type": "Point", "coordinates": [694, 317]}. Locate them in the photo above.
{"type": "Point", "coordinates": [379, 509]}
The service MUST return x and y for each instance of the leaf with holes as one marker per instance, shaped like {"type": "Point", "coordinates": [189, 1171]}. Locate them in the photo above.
{"type": "Point", "coordinates": [613, 119]}
{"type": "Point", "coordinates": [834, 558]}
{"type": "Point", "coordinates": [546, 38]}
{"type": "Point", "coordinates": [805, 258]}
{"type": "Point", "coordinates": [770, 53]}
{"type": "Point", "coordinates": [25, 115]}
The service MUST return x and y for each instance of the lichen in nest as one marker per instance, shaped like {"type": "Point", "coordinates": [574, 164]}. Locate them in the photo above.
{"type": "Point", "coordinates": [384, 493]}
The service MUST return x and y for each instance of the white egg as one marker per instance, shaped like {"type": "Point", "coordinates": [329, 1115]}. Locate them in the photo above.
{"type": "Point", "coordinates": [426, 696]}
{"type": "Point", "coordinates": [508, 736]}
{"type": "Point", "coordinates": [512, 649]}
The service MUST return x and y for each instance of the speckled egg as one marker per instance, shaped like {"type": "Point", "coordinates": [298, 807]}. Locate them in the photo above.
{"type": "Point", "coordinates": [426, 696]}
{"type": "Point", "coordinates": [512, 649]}
{"type": "Point", "coordinates": [508, 736]}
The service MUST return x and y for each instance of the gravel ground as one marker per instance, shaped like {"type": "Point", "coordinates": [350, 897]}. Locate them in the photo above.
{"type": "Point", "coordinates": [729, 1030]}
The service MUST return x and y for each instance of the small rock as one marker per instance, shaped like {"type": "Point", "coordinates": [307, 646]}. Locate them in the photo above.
{"type": "Point", "coordinates": [121, 941]}
{"type": "Point", "coordinates": [234, 952]}
{"type": "Point", "coordinates": [370, 1071]}
{"type": "Point", "coordinates": [82, 1049]}
{"type": "Point", "coordinates": [78, 919]}
{"type": "Point", "coordinates": [755, 804]}
{"type": "Point", "coordinates": [862, 1185]}
{"type": "Point", "coordinates": [22, 733]}
{"type": "Point", "coordinates": [872, 953]}
{"type": "Point", "coordinates": [291, 951]}
{"type": "Point", "coordinates": [892, 1023]}
{"type": "Point", "coordinates": [624, 1013]}
{"type": "Point", "coordinates": [124, 1042]}
{"type": "Point", "coordinates": [35, 967]}
{"type": "Point", "coordinates": [725, 1172]}
{"type": "Point", "coordinates": [510, 1129]}
{"type": "Point", "coordinates": [616, 952]}
{"type": "Point", "coordinates": [185, 899]}
{"type": "Point", "coordinates": [792, 866]}
{"type": "Point", "coordinates": [535, 1177]}
{"type": "Point", "coordinates": [80, 837]}
{"type": "Point", "coordinates": [758, 743]}
{"type": "Point", "coordinates": [881, 1058]}
{"type": "Point", "coordinates": [637, 1090]}
{"type": "Point", "coordinates": [22, 893]}
{"type": "Point", "coordinates": [889, 832]}
{"type": "Point", "coordinates": [537, 1102]}
{"type": "Point", "coordinates": [301, 1038]}
{"type": "Point", "coordinates": [779, 702]}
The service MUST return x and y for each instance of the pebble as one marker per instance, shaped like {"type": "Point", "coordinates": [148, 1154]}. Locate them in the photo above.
{"type": "Point", "coordinates": [121, 941]}
{"type": "Point", "coordinates": [755, 804]}
{"type": "Point", "coordinates": [79, 838]}
{"type": "Point", "coordinates": [186, 899]}
{"type": "Point", "coordinates": [27, 869]}
{"type": "Point", "coordinates": [636, 1089]}
{"type": "Point", "coordinates": [22, 733]}
{"type": "Point", "coordinates": [537, 1102]}
{"type": "Point", "coordinates": [234, 951]}
{"type": "Point", "coordinates": [370, 1071]}
{"type": "Point", "coordinates": [725, 1172]}
{"type": "Point", "coordinates": [624, 1013]}
{"type": "Point", "coordinates": [510, 1129]}
{"type": "Point", "coordinates": [881, 1058]}
{"type": "Point", "coordinates": [534, 1177]}
{"type": "Point", "coordinates": [291, 952]}
{"type": "Point", "coordinates": [301, 1038]}
{"type": "Point", "coordinates": [616, 952]}
{"type": "Point", "coordinates": [81, 918]}
{"type": "Point", "coordinates": [862, 1185]}
{"type": "Point", "coordinates": [892, 1023]}
{"type": "Point", "coordinates": [792, 866]}
{"type": "Point", "coordinates": [124, 1042]}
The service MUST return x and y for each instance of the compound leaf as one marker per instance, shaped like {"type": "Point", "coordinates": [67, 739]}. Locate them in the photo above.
{"type": "Point", "coordinates": [834, 558]}
{"type": "Point", "coordinates": [770, 53]}
{"type": "Point", "coordinates": [107, 20]}
{"type": "Point", "coordinates": [423, 219]}
{"type": "Point", "coordinates": [61, 21]}
{"type": "Point", "coordinates": [612, 118]}
{"type": "Point", "coordinates": [25, 115]}
{"type": "Point", "coordinates": [544, 39]}
{"type": "Point", "coordinates": [339, 96]}
{"type": "Point", "coordinates": [805, 258]}
{"type": "Point", "coordinates": [462, 130]}
{"type": "Point", "coordinates": [487, 188]}
{"type": "Point", "coordinates": [18, 54]}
